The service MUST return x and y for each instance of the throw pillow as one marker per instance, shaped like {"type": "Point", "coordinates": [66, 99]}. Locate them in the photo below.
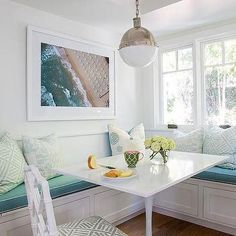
{"type": "Point", "coordinates": [221, 142]}
{"type": "Point", "coordinates": [12, 164]}
{"type": "Point", "coordinates": [189, 142]}
{"type": "Point", "coordinates": [43, 153]}
{"type": "Point", "coordinates": [122, 141]}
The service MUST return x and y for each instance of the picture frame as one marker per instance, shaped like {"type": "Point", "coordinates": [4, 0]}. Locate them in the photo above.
{"type": "Point", "coordinates": [68, 78]}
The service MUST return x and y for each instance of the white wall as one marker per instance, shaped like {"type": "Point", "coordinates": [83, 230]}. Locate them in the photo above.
{"type": "Point", "coordinates": [13, 21]}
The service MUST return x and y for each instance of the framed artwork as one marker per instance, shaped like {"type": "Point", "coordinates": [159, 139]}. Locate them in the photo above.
{"type": "Point", "coordinates": [68, 79]}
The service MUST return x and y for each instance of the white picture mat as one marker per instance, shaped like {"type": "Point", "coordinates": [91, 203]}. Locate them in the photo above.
{"type": "Point", "coordinates": [36, 112]}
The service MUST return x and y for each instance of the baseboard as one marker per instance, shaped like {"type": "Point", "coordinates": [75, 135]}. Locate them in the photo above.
{"type": "Point", "coordinates": [198, 221]}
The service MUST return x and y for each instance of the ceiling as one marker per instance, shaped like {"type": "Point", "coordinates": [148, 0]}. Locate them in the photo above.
{"type": "Point", "coordinates": [160, 16]}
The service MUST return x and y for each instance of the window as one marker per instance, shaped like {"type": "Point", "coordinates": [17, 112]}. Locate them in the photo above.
{"type": "Point", "coordinates": [177, 79]}
{"type": "Point", "coordinates": [220, 82]}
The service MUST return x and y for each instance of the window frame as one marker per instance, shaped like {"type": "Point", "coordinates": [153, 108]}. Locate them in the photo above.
{"type": "Point", "coordinates": [159, 121]}
{"type": "Point", "coordinates": [221, 40]}
{"type": "Point", "coordinates": [199, 104]}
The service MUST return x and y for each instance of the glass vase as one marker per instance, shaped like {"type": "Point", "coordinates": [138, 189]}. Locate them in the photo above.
{"type": "Point", "coordinates": [156, 156]}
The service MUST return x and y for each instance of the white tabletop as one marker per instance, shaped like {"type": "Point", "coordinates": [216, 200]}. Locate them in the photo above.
{"type": "Point", "coordinates": [150, 178]}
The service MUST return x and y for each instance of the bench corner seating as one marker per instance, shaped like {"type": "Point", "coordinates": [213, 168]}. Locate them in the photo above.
{"type": "Point", "coordinates": [64, 185]}
{"type": "Point", "coordinates": [217, 185]}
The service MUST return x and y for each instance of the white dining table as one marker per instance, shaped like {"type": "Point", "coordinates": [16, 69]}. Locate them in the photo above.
{"type": "Point", "coordinates": [150, 178]}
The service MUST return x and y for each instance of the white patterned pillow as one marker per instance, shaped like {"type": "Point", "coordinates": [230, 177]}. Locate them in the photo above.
{"type": "Point", "coordinates": [122, 141]}
{"type": "Point", "coordinates": [43, 153]}
{"type": "Point", "coordinates": [190, 142]}
{"type": "Point", "coordinates": [12, 164]}
{"type": "Point", "coordinates": [221, 142]}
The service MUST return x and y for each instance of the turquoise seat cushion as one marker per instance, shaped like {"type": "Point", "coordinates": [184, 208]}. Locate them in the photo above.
{"type": "Point", "coordinates": [218, 174]}
{"type": "Point", "coordinates": [59, 186]}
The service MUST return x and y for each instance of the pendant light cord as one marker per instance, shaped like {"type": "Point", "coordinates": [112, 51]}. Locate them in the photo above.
{"type": "Point", "coordinates": [137, 8]}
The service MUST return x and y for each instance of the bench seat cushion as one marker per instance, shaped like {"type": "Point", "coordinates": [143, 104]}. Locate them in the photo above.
{"type": "Point", "coordinates": [218, 174]}
{"type": "Point", "coordinates": [59, 186]}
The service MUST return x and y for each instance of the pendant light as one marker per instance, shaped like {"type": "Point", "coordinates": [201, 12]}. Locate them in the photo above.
{"type": "Point", "coordinates": [138, 47]}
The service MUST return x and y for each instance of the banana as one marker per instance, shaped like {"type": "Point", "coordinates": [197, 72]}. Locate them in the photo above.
{"type": "Point", "coordinates": [126, 173]}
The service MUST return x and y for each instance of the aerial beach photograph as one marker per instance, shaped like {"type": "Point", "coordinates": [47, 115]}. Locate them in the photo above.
{"type": "Point", "coordinates": [72, 78]}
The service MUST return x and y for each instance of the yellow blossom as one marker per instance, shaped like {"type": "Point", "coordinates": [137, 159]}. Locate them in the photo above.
{"type": "Point", "coordinates": [156, 138]}
{"type": "Point", "coordinates": [171, 144]}
{"type": "Point", "coordinates": [148, 143]}
{"type": "Point", "coordinates": [164, 144]}
{"type": "Point", "coordinates": [155, 147]}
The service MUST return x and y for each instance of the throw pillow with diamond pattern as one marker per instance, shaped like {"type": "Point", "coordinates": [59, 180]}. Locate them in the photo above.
{"type": "Point", "coordinates": [221, 142]}
{"type": "Point", "coordinates": [12, 164]}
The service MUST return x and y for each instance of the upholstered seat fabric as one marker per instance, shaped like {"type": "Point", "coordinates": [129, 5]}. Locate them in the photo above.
{"type": "Point", "coordinates": [92, 226]}
{"type": "Point", "coordinates": [59, 186]}
{"type": "Point", "coordinates": [218, 174]}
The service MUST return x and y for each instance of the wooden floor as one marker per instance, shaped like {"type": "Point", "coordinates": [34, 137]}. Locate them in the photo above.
{"type": "Point", "coordinates": [166, 226]}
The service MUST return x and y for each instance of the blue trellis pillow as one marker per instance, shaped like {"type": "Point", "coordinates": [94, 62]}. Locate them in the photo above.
{"type": "Point", "coordinates": [189, 142]}
{"type": "Point", "coordinates": [122, 141]}
{"type": "Point", "coordinates": [43, 153]}
{"type": "Point", "coordinates": [221, 142]}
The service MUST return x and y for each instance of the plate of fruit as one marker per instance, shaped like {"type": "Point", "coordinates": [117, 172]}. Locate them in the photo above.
{"type": "Point", "coordinates": [119, 174]}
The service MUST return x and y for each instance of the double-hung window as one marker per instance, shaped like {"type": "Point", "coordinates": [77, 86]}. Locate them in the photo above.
{"type": "Point", "coordinates": [215, 104]}
{"type": "Point", "coordinates": [219, 69]}
{"type": "Point", "coordinates": [177, 86]}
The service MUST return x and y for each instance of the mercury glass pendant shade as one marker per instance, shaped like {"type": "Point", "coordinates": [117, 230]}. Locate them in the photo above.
{"type": "Point", "coordinates": [138, 47]}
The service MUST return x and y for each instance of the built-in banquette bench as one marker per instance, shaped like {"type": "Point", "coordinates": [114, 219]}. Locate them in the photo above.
{"type": "Point", "coordinates": [59, 186]}
{"type": "Point", "coordinates": [72, 198]}
{"type": "Point", "coordinates": [208, 199]}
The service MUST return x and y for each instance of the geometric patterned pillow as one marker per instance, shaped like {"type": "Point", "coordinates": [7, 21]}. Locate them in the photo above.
{"type": "Point", "coordinates": [44, 153]}
{"type": "Point", "coordinates": [122, 141]}
{"type": "Point", "coordinates": [12, 164]}
{"type": "Point", "coordinates": [94, 226]}
{"type": "Point", "coordinates": [190, 142]}
{"type": "Point", "coordinates": [221, 142]}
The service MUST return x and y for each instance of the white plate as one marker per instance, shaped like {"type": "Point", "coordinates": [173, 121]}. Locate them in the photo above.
{"type": "Point", "coordinates": [119, 178]}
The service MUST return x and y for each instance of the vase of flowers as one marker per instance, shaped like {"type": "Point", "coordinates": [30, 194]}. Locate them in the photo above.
{"type": "Point", "coordinates": [159, 145]}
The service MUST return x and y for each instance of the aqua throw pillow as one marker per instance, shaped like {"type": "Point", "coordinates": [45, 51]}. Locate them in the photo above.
{"type": "Point", "coordinates": [12, 164]}
{"type": "Point", "coordinates": [221, 142]}
{"type": "Point", "coordinates": [122, 141]}
{"type": "Point", "coordinates": [189, 142]}
{"type": "Point", "coordinates": [44, 153]}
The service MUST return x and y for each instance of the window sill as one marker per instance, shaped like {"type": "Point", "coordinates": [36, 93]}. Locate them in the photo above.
{"type": "Point", "coordinates": [184, 128]}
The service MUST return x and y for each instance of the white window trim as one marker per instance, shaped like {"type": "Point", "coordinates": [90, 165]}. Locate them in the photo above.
{"type": "Point", "coordinates": [198, 80]}
{"type": "Point", "coordinates": [203, 66]}
{"type": "Point", "coordinates": [158, 96]}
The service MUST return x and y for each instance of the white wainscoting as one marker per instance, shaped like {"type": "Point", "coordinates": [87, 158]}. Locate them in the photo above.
{"type": "Point", "coordinates": [220, 206]}
{"type": "Point", "coordinates": [210, 204]}
{"type": "Point", "coordinates": [181, 198]}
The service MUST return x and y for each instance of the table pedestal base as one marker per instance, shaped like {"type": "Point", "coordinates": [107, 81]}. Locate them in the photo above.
{"type": "Point", "coordinates": [148, 209]}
